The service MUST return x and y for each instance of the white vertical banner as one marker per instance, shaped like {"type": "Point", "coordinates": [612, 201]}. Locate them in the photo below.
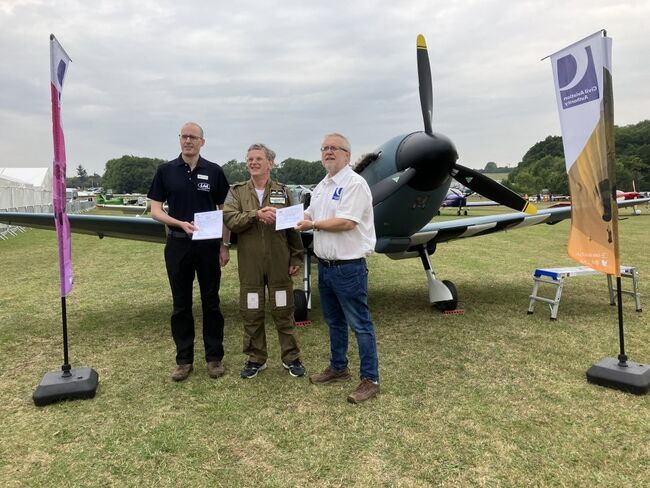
{"type": "Point", "coordinates": [583, 88]}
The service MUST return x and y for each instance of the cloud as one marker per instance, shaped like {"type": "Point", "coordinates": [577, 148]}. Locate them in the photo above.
{"type": "Point", "coordinates": [286, 72]}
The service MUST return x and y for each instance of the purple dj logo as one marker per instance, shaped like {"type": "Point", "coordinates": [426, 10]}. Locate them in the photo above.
{"type": "Point", "coordinates": [576, 76]}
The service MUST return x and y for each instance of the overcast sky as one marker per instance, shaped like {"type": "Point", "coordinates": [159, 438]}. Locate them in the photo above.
{"type": "Point", "coordinates": [287, 72]}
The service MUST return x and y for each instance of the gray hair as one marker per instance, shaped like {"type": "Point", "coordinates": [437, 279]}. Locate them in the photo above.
{"type": "Point", "coordinates": [268, 152]}
{"type": "Point", "coordinates": [348, 146]}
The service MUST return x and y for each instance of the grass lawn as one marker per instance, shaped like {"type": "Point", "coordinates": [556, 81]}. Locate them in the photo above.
{"type": "Point", "coordinates": [494, 397]}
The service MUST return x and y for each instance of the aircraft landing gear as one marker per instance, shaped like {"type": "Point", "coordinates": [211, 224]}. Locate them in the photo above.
{"type": "Point", "coordinates": [302, 298]}
{"type": "Point", "coordinates": [442, 294]}
{"type": "Point", "coordinates": [448, 304]}
{"type": "Point", "coordinates": [300, 304]}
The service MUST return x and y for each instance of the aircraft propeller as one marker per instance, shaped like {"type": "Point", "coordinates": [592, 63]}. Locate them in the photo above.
{"type": "Point", "coordinates": [432, 157]}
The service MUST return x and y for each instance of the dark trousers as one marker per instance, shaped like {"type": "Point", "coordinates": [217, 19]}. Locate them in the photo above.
{"type": "Point", "coordinates": [184, 259]}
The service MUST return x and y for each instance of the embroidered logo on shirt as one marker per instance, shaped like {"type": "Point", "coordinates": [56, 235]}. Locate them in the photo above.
{"type": "Point", "coordinates": [202, 177]}
{"type": "Point", "coordinates": [337, 193]}
{"type": "Point", "coordinates": [203, 186]}
{"type": "Point", "coordinates": [277, 197]}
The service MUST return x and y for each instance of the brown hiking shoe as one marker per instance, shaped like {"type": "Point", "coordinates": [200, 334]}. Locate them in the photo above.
{"type": "Point", "coordinates": [181, 372]}
{"type": "Point", "coordinates": [365, 391]}
{"type": "Point", "coordinates": [330, 376]}
{"type": "Point", "coordinates": [215, 369]}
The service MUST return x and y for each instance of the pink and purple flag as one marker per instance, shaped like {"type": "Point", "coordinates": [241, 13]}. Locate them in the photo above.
{"type": "Point", "coordinates": [59, 62]}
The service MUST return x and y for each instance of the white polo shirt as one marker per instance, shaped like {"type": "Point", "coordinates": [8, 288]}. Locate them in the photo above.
{"type": "Point", "coordinates": [345, 195]}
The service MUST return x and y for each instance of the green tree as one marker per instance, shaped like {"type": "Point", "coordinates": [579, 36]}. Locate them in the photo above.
{"type": "Point", "coordinates": [235, 171]}
{"type": "Point", "coordinates": [491, 167]}
{"type": "Point", "coordinates": [130, 174]}
{"type": "Point", "coordinates": [299, 172]}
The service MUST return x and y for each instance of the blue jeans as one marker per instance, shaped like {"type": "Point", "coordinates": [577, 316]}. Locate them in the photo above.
{"type": "Point", "coordinates": [344, 298]}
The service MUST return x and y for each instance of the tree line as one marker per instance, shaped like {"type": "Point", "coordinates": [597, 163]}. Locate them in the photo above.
{"type": "Point", "coordinates": [133, 174]}
{"type": "Point", "coordinates": [542, 167]}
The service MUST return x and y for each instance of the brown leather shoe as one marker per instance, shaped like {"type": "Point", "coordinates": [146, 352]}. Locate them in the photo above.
{"type": "Point", "coordinates": [215, 369]}
{"type": "Point", "coordinates": [181, 372]}
{"type": "Point", "coordinates": [365, 391]}
{"type": "Point", "coordinates": [330, 376]}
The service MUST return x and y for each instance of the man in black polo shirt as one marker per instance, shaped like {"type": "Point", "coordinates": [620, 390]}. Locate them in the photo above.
{"type": "Point", "coordinates": [191, 184]}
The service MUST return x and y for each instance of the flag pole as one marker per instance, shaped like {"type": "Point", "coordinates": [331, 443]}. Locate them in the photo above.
{"type": "Point", "coordinates": [622, 357]}
{"type": "Point", "coordinates": [66, 361]}
{"type": "Point", "coordinates": [69, 383]}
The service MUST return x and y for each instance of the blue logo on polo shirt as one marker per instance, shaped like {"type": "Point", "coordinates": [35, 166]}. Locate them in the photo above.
{"type": "Point", "coordinates": [337, 193]}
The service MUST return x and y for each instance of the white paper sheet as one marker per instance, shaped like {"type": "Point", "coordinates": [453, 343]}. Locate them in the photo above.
{"type": "Point", "coordinates": [288, 217]}
{"type": "Point", "coordinates": [210, 225]}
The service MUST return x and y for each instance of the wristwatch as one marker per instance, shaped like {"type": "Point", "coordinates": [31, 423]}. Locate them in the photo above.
{"type": "Point", "coordinates": [227, 244]}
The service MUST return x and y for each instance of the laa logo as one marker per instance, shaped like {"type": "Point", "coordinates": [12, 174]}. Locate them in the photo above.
{"type": "Point", "coordinates": [203, 186]}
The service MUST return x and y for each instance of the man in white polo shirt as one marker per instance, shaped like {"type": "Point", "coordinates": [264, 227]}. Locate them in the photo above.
{"type": "Point", "coordinates": [341, 216]}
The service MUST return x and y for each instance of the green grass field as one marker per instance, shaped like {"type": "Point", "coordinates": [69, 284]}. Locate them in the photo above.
{"type": "Point", "coordinates": [494, 397]}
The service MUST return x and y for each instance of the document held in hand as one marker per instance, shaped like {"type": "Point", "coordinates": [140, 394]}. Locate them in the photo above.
{"type": "Point", "coordinates": [288, 217]}
{"type": "Point", "coordinates": [209, 225]}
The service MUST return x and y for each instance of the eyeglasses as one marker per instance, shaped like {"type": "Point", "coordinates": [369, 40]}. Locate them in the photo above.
{"type": "Point", "coordinates": [333, 149]}
{"type": "Point", "coordinates": [190, 137]}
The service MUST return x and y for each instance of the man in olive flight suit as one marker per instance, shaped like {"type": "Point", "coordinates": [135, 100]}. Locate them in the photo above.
{"type": "Point", "coordinates": [267, 259]}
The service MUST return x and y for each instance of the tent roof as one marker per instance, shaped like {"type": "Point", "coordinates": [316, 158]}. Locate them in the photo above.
{"type": "Point", "coordinates": [31, 176]}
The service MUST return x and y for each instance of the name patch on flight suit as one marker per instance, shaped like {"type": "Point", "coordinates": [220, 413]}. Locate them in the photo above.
{"type": "Point", "coordinates": [278, 197]}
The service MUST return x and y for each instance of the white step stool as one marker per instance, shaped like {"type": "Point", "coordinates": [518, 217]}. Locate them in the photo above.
{"type": "Point", "coordinates": [556, 277]}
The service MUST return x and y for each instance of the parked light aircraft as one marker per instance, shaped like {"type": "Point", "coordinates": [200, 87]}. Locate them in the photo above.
{"type": "Point", "coordinates": [409, 177]}
{"type": "Point", "coordinates": [456, 198]}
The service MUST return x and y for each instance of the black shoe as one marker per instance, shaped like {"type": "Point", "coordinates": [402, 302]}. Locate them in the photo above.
{"type": "Point", "coordinates": [295, 368]}
{"type": "Point", "coordinates": [251, 368]}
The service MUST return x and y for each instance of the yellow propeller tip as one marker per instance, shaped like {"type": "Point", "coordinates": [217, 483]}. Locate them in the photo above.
{"type": "Point", "coordinates": [422, 44]}
{"type": "Point", "coordinates": [530, 209]}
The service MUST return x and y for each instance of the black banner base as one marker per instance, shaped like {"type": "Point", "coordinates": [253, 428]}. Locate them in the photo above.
{"type": "Point", "coordinates": [635, 378]}
{"type": "Point", "coordinates": [55, 386]}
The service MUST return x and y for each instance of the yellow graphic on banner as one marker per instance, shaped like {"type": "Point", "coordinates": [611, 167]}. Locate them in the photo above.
{"type": "Point", "coordinates": [593, 239]}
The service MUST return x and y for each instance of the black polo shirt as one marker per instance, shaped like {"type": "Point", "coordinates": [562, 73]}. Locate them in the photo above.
{"type": "Point", "coordinates": [187, 192]}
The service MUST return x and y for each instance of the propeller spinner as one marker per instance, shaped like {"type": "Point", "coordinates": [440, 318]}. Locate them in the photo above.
{"type": "Point", "coordinates": [425, 160]}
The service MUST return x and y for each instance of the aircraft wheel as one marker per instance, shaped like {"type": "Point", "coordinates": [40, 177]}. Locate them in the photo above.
{"type": "Point", "coordinates": [465, 212]}
{"type": "Point", "coordinates": [300, 303]}
{"type": "Point", "coordinates": [449, 304]}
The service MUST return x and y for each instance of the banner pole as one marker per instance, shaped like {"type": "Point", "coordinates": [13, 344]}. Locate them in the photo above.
{"type": "Point", "coordinates": [66, 362]}
{"type": "Point", "coordinates": [622, 358]}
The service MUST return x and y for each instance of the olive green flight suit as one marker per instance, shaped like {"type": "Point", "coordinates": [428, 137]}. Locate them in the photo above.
{"type": "Point", "coordinates": [264, 257]}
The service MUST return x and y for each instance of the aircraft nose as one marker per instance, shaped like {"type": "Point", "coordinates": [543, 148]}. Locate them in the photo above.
{"type": "Point", "coordinates": [432, 156]}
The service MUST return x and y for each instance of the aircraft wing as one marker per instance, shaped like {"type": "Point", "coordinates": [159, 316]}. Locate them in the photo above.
{"type": "Point", "coordinates": [444, 231]}
{"type": "Point", "coordinates": [149, 230]}
{"type": "Point", "coordinates": [135, 228]}
{"type": "Point", "coordinates": [487, 203]}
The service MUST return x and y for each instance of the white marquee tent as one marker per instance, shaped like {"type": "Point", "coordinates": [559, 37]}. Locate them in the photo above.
{"type": "Point", "coordinates": [26, 189]}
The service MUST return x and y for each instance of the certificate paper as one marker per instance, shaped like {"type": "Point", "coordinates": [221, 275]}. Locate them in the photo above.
{"type": "Point", "coordinates": [210, 225]}
{"type": "Point", "coordinates": [288, 217]}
